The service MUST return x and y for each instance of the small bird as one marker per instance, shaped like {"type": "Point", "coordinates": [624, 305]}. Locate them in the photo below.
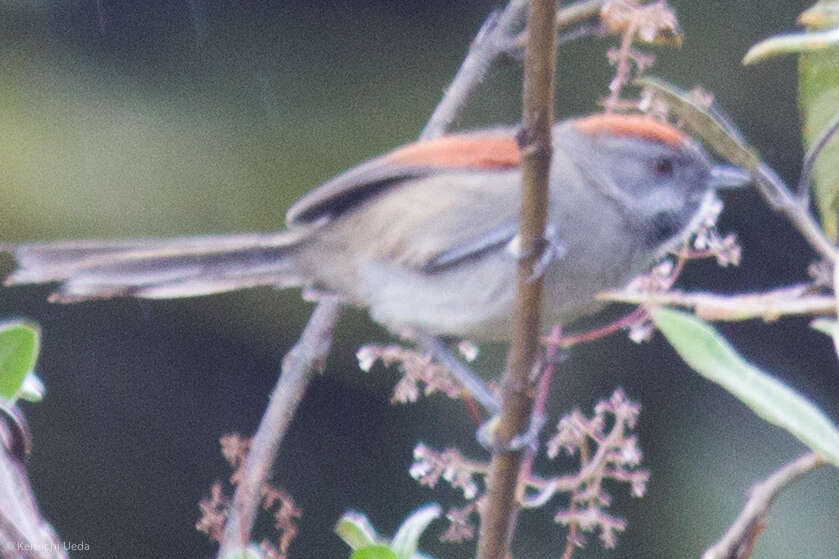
{"type": "Point", "coordinates": [425, 236]}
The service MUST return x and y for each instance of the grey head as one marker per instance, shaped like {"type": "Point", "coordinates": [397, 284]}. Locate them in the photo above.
{"type": "Point", "coordinates": [658, 178]}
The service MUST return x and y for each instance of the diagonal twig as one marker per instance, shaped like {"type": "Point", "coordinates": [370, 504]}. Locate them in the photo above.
{"type": "Point", "coordinates": [492, 41]}
{"type": "Point", "coordinates": [299, 364]}
{"type": "Point", "coordinates": [739, 541]}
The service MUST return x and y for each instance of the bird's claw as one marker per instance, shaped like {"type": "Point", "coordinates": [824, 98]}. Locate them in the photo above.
{"type": "Point", "coordinates": [550, 247]}
{"type": "Point", "coordinates": [527, 440]}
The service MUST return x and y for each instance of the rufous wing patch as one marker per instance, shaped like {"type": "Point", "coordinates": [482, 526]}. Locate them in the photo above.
{"type": "Point", "coordinates": [636, 126]}
{"type": "Point", "coordinates": [478, 151]}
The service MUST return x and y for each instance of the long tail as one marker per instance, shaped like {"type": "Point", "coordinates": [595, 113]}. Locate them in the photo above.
{"type": "Point", "coordinates": [156, 269]}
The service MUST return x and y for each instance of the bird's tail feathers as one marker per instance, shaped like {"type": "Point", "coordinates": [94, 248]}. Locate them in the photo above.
{"type": "Point", "coordinates": [157, 269]}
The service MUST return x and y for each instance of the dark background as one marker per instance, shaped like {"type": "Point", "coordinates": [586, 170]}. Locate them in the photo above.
{"type": "Point", "coordinates": [172, 117]}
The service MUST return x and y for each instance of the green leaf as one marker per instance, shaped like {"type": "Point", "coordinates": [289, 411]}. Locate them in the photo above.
{"type": "Point", "coordinates": [810, 41]}
{"type": "Point", "coordinates": [818, 98]}
{"type": "Point", "coordinates": [374, 552]}
{"type": "Point", "coordinates": [406, 540]}
{"type": "Point", "coordinates": [356, 531]}
{"type": "Point", "coordinates": [708, 353]}
{"type": "Point", "coordinates": [19, 343]}
{"type": "Point", "coordinates": [818, 101]}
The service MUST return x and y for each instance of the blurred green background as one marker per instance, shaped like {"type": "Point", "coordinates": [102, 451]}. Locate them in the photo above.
{"type": "Point", "coordinates": [168, 117]}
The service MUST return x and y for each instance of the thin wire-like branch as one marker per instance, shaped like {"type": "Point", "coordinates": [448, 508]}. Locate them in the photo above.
{"type": "Point", "coordinates": [307, 356]}
{"type": "Point", "coordinates": [813, 155]}
{"type": "Point", "coordinates": [499, 514]}
{"type": "Point", "coordinates": [740, 538]}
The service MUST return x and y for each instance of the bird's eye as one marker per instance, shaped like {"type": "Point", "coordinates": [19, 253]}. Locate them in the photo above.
{"type": "Point", "coordinates": [663, 167]}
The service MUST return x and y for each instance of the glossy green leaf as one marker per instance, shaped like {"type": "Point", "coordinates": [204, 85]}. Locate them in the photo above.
{"type": "Point", "coordinates": [19, 342]}
{"type": "Point", "coordinates": [708, 353]}
{"type": "Point", "coordinates": [374, 552]}
{"type": "Point", "coordinates": [406, 540]}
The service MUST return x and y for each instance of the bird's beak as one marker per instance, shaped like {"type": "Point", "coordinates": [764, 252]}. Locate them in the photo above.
{"type": "Point", "coordinates": [726, 177]}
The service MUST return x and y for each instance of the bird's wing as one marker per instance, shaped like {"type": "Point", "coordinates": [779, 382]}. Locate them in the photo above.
{"type": "Point", "coordinates": [491, 239]}
{"type": "Point", "coordinates": [485, 150]}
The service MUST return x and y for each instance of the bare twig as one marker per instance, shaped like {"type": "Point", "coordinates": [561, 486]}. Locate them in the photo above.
{"type": "Point", "coordinates": [768, 305]}
{"type": "Point", "coordinates": [491, 42]}
{"type": "Point", "coordinates": [308, 355]}
{"type": "Point", "coordinates": [499, 513]}
{"type": "Point", "coordinates": [578, 12]}
{"type": "Point", "coordinates": [740, 538]}
{"type": "Point", "coordinates": [775, 191]}
{"type": "Point", "coordinates": [497, 38]}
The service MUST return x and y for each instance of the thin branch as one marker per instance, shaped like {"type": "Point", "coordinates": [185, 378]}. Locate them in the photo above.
{"type": "Point", "coordinates": [812, 156]}
{"type": "Point", "coordinates": [772, 187]}
{"type": "Point", "coordinates": [496, 38]}
{"type": "Point", "coordinates": [769, 305]}
{"type": "Point", "coordinates": [491, 42]}
{"type": "Point", "coordinates": [307, 356]}
{"type": "Point", "coordinates": [740, 538]}
{"type": "Point", "coordinates": [499, 514]}
{"type": "Point", "coordinates": [578, 12]}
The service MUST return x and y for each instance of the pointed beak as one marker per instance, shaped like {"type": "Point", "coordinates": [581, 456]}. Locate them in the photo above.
{"type": "Point", "coordinates": [726, 177]}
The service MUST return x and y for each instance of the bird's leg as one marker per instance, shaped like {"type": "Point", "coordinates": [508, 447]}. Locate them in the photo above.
{"type": "Point", "coordinates": [472, 383]}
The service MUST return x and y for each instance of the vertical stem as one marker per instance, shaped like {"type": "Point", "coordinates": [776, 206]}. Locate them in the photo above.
{"type": "Point", "coordinates": [499, 515]}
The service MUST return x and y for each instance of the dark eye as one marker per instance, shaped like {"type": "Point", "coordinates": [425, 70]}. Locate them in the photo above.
{"type": "Point", "coordinates": [663, 167]}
